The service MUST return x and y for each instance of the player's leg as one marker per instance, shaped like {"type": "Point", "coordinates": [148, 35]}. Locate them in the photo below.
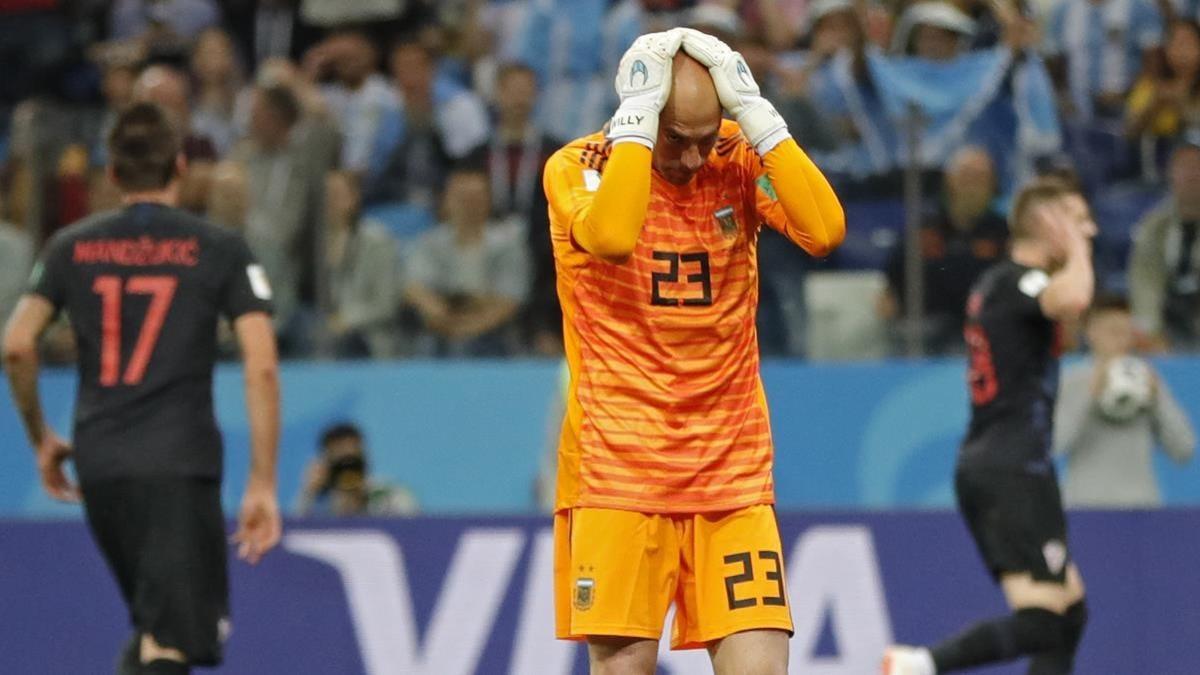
{"type": "Point", "coordinates": [117, 524]}
{"type": "Point", "coordinates": [757, 652]}
{"type": "Point", "coordinates": [732, 593]}
{"type": "Point", "coordinates": [1066, 601]}
{"type": "Point", "coordinates": [615, 575]}
{"type": "Point", "coordinates": [1018, 523]}
{"type": "Point", "coordinates": [182, 600]}
{"type": "Point", "coordinates": [150, 651]}
{"type": "Point", "coordinates": [622, 655]}
{"type": "Point", "coordinates": [1042, 587]}
{"type": "Point", "coordinates": [1047, 622]}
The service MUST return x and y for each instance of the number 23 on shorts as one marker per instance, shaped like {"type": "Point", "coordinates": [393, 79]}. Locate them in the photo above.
{"type": "Point", "coordinates": [746, 569]}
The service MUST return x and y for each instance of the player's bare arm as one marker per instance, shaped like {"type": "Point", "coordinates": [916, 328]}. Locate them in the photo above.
{"type": "Point", "coordinates": [1069, 227]}
{"type": "Point", "coordinates": [29, 320]}
{"type": "Point", "coordinates": [259, 524]}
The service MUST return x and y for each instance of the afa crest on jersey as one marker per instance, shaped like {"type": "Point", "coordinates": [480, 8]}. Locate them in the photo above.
{"type": "Point", "coordinates": [726, 220]}
{"type": "Point", "coordinates": [585, 593]}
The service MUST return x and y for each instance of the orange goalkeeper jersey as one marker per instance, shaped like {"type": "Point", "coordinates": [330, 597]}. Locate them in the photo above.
{"type": "Point", "coordinates": [665, 408]}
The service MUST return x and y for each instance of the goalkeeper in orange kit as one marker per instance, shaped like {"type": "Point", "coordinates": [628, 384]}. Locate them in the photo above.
{"type": "Point", "coordinates": [664, 488]}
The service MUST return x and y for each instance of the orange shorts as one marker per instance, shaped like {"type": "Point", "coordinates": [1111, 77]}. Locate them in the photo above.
{"type": "Point", "coordinates": [617, 572]}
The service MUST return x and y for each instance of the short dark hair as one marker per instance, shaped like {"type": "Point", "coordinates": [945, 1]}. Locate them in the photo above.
{"type": "Point", "coordinates": [1037, 191]}
{"type": "Point", "coordinates": [1109, 302]}
{"type": "Point", "coordinates": [283, 101]}
{"type": "Point", "coordinates": [340, 431]}
{"type": "Point", "coordinates": [142, 148]}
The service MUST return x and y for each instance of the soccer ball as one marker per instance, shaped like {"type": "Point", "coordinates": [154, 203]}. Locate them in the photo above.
{"type": "Point", "coordinates": [1127, 389]}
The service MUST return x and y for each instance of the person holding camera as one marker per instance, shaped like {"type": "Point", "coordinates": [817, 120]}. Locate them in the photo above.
{"type": "Point", "coordinates": [338, 483]}
{"type": "Point", "coordinates": [1113, 409]}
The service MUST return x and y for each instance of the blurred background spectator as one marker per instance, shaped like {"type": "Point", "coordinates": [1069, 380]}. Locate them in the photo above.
{"type": "Point", "coordinates": [1112, 411]}
{"type": "Point", "coordinates": [924, 115]}
{"type": "Point", "coordinates": [365, 286]}
{"type": "Point", "coordinates": [468, 276]}
{"type": "Point", "coordinates": [16, 259]}
{"type": "Point", "coordinates": [286, 181]}
{"type": "Point", "coordinates": [1162, 104]}
{"type": "Point", "coordinates": [517, 154]}
{"type": "Point", "coordinates": [218, 77]}
{"type": "Point", "coordinates": [441, 122]}
{"type": "Point", "coordinates": [338, 481]}
{"type": "Point", "coordinates": [358, 95]}
{"type": "Point", "coordinates": [162, 20]}
{"type": "Point", "coordinates": [960, 238]}
{"type": "Point", "coordinates": [1164, 268]}
{"type": "Point", "coordinates": [268, 29]}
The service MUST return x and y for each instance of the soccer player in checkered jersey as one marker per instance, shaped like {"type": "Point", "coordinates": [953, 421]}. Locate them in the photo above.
{"type": "Point", "coordinates": [1005, 481]}
{"type": "Point", "coordinates": [144, 287]}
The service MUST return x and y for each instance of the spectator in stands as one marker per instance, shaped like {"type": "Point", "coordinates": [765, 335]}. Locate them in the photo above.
{"type": "Point", "coordinates": [516, 156]}
{"type": "Point", "coordinates": [784, 80]}
{"type": "Point", "coordinates": [116, 86]}
{"type": "Point", "coordinates": [1097, 50]}
{"type": "Point", "coordinates": [169, 88]}
{"type": "Point", "coordinates": [228, 205]}
{"type": "Point", "coordinates": [441, 123]}
{"type": "Point", "coordinates": [158, 20]}
{"type": "Point", "coordinates": [317, 129]}
{"type": "Point", "coordinates": [935, 31]}
{"type": "Point", "coordinates": [332, 13]}
{"type": "Point", "coordinates": [519, 148]}
{"type": "Point", "coordinates": [286, 186]}
{"type": "Point", "coordinates": [1112, 409]}
{"type": "Point", "coordinates": [564, 41]}
{"type": "Point", "coordinates": [281, 71]}
{"type": "Point", "coordinates": [16, 259]}
{"type": "Point", "coordinates": [338, 481]}
{"type": "Point", "coordinates": [268, 29]}
{"type": "Point", "coordinates": [1162, 104]}
{"type": "Point", "coordinates": [70, 187]}
{"type": "Point", "coordinates": [839, 86]}
{"type": "Point", "coordinates": [363, 273]}
{"type": "Point", "coordinates": [358, 97]}
{"type": "Point", "coordinates": [834, 29]}
{"type": "Point", "coordinates": [218, 78]}
{"type": "Point", "coordinates": [961, 239]}
{"type": "Point", "coordinates": [467, 277]}
{"type": "Point", "coordinates": [1164, 265]}
{"type": "Point", "coordinates": [229, 196]}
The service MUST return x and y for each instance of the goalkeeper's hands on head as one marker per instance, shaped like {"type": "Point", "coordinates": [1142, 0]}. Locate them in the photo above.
{"type": "Point", "coordinates": [643, 84]}
{"type": "Point", "coordinates": [739, 93]}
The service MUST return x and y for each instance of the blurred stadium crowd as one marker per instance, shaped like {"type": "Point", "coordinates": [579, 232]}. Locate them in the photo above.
{"type": "Point", "coordinates": [383, 157]}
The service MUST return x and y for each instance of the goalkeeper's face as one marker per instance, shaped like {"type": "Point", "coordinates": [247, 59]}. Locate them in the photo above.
{"type": "Point", "coordinates": [689, 123]}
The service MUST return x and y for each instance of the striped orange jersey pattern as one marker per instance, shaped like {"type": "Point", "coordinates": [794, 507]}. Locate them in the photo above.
{"type": "Point", "coordinates": [665, 407]}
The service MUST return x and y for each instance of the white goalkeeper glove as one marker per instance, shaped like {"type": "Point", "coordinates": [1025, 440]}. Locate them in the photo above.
{"type": "Point", "coordinates": [739, 93]}
{"type": "Point", "coordinates": [643, 84]}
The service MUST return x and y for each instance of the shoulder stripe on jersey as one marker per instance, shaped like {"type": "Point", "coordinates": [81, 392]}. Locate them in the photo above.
{"type": "Point", "coordinates": [727, 145]}
{"type": "Point", "coordinates": [595, 154]}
